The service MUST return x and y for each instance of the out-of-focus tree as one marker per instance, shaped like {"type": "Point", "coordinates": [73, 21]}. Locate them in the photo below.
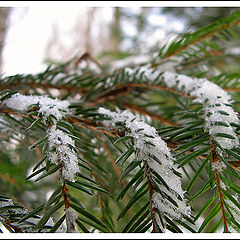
{"type": "Point", "coordinates": [4, 13]}
{"type": "Point", "coordinates": [196, 17]}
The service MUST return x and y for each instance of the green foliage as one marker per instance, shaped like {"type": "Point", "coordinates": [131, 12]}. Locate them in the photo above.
{"type": "Point", "coordinates": [113, 190]}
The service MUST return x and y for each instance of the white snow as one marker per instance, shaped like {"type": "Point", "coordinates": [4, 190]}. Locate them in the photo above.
{"type": "Point", "coordinates": [47, 106]}
{"type": "Point", "coordinates": [60, 143]}
{"type": "Point", "coordinates": [215, 100]}
{"type": "Point", "coordinates": [136, 60]}
{"type": "Point", "coordinates": [143, 133]}
{"type": "Point", "coordinates": [218, 166]}
{"type": "Point", "coordinates": [15, 210]}
{"type": "Point", "coordinates": [34, 221]}
{"type": "Point", "coordinates": [234, 51]}
{"type": "Point", "coordinates": [72, 216]}
{"type": "Point", "coordinates": [168, 208]}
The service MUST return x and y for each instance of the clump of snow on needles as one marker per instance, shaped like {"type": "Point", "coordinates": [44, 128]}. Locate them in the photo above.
{"type": "Point", "coordinates": [216, 101]}
{"type": "Point", "coordinates": [47, 106]}
{"type": "Point", "coordinates": [144, 134]}
{"type": "Point", "coordinates": [32, 221]}
{"type": "Point", "coordinates": [60, 144]}
{"type": "Point", "coordinates": [218, 166]}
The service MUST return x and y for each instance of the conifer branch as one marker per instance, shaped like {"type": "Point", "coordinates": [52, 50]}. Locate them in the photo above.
{"type": "Point", "coordinates": [79, 139]}
{"type": "Point", "coordinates": [215, 159]}
{"type": "Point", "coordinates": [15, 228]}
{"type": "Point", "coordinates": [190, 43]}
{"type": "Point", "coordinates": [142, 111]}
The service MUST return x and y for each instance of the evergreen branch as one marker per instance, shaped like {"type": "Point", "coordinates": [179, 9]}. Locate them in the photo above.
{"type": "Point", "coordinates": [189, 63]}
{"type": "Point", "coordinates": [15, 228]}
{"type": "Point", "coordinates": [110, 156]}
{"type": "Point", "coordinates": [151, 190]}
{"type": "Point", "coordinates": [87, 56]}
{"type": "Point", "coordinates": [115, 167]}
{"type": "Point", "coordinates": [123, 89]}
{"type": "Point", "coordinates": [145, 112]}
{"type": "Point", "coordinates": [74, 120]}
{"type": "Point", "coordinates": [44, 86]}
{"type": "Point", "coordinates": [154, 164]}
{"type": "Point", "coordinates": [215, 160]}
{"type": "Point", "coordinates": [198, 116]}
{"type": "Point", "coordinates": [180, 44]}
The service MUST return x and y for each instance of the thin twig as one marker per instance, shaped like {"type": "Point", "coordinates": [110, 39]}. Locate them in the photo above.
{"type": "Point", "coordinates": [87, 56]}
{"type": "Point", "coordinates": [8, 179]}
{"type": "Point", "coordinates": [15, 228]}
{"type": "Point", "coordinates": [151, 190]}
{"type": "Point", "coordinates": [220, 195]}
{"type": "Point", "coordinates": [145, 112]}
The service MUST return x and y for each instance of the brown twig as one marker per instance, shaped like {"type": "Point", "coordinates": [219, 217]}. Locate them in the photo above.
{"type": "Point", "coordinates": [94, 126]}
{"type": "Point", "coordinates": [119, 90]}
{"type": "Point", "coordinates": [87, 56]}
{"type": "Point", "coordinates": [145, 112]}
{"type": "Point", "coordinates": [8, 179]}
{"type": "Point", "coordinates": [65, 197]}
{"type": "Point", "coordinates": [220, 195]}
{"type": "Point", "coordinates": [15, 228]}
{"type": "Point", "coordinates": [43, 85]}
{"type": "Point", "coordinates": [150, 187]}
{"type": "Point", "coordinates": [235, 164]}
{"type": "Point", "coordinates": [231, 89]}
{"type": "Point", "coordinates": [73, 120]}
{"type": "Point", "coordinates": [190, 63]}
{"type": "Point", "coordinates": [123, 89]}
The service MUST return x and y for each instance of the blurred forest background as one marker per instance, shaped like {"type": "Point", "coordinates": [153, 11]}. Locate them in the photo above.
{"type": "Point", "coordinates": [32, 37]}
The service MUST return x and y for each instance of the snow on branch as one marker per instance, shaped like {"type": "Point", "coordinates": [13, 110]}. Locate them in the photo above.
{"type": "Point", "coordinates": [216, 103]}
{"type": "Point", "coordinates": [61, 152]}
{"type": "Point", "coordinates": [28, 225]}
{"type": "Point", "coordinates": [47, 106]}
{"type": "Point", "coordinates": [148, 147]}
{"type": "Point", "coordinates": [220, 117]}
{"type": "Point", "coordinates": [61, 146]}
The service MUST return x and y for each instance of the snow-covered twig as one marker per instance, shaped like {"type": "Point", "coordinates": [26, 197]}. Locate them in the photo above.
{"type": "Point", "coordinates": [60, 144]}
{"type": "Point", "coordinates": [148, 146]}
{"type": "Point", "coordinates": [219, 115]}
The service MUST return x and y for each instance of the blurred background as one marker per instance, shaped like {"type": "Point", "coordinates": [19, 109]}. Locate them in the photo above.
{"type": "Point", "coordinates": [31, 37]}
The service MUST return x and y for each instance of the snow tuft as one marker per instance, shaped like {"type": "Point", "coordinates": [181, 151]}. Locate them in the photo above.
{"type": "Point", "coordinates": [47, 106]}
{"type": "Point", "coordinates": [216, 102]}
{"type": "Point", "coordinates": [61, 152]}
{"type": "Point", "coordinates": [147, 145]}
{"type": "Point", "coordinates": [60, 144]}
